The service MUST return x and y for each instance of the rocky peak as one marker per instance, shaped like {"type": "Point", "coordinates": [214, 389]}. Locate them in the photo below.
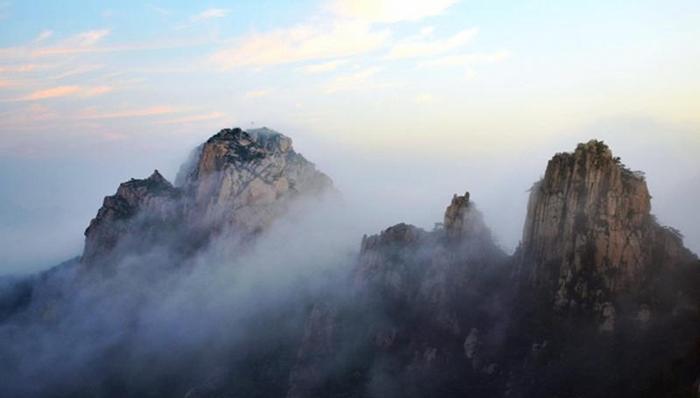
{"type": "Point", "coordinates": [271, 140]}
{"type": "Point", "coordinates": [153, 197]}
{"type": "Point", "coordinates": [247, 178]}
{"type": "Point", "coordinates": [589, 233]}
{"type": "Point", "coordinates": [239, 181]}
{"type": "Point", "coordinates": [135, 190]}
{"type": "Point", "coordinates": [235, 147]}
{"type": "Point", "coordinates": [398, 235]}
{"type": "Point", "coordinates": [463, 221]}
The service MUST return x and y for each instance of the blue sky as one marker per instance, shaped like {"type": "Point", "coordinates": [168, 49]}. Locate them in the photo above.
{"type": "Point", "coordinates": [93, 93]}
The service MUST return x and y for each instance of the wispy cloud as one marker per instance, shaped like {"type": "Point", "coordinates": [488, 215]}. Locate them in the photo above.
{"type": "Point", "coordinates": [78, 70]}
{"type": "Point", "coordinates": [305, 42]}
{"type": "Point", "coordinates": [158, 10]}
{"type": "Point", "coordinates": [91, 37]}
{"type": "Point", "coordinates": [62, 91]}
{"type": "Point", "coordinates": [26, 118]}
{"type": "Point", "coordinates": [323, 67]}
{"type": "Point", "coordinates": [389, 11]}
{"type": "Point", "coordinates": [81, 42]}
{"type": "Point", "coordinates": [90, 42]}
{"type": "Point", "coordinates": [45, 34]}
{"type": "Point", "coordinates": [23, 68]}
{"type": "Point", "coordinates": [209, 14]}
{"type": "Point", "coordinates": [418, 46]}
{"type": "Point", "coordinates": [66, 91]}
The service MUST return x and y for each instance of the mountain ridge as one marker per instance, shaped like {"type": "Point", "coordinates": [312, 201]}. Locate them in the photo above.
{"type": "Point", "coordinates": [598, 297]}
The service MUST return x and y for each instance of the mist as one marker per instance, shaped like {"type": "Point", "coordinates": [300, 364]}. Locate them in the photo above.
{"type": "Point", "coordinates": [154, 317]}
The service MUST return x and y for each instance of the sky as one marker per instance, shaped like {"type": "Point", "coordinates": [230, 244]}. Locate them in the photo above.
{"type": "Point", "coordinates": [402, 103]}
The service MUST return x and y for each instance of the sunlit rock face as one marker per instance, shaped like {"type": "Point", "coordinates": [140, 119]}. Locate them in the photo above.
{"type": "Point", "coordinates": [247, 179]}
{"type": "Point", "coordinates": [239, 182]}
{"type": "Point", "coordinates": [589, 233]}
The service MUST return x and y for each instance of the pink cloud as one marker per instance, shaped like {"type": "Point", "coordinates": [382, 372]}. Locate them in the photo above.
{"type": "Point", "coordinates": [66, 91]}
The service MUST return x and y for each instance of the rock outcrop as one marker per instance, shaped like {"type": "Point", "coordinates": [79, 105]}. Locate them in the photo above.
{"type": "Point", "coordinates": [140, 207]}
{"type": "Point", "coordinates": [589, 235]}
{"type": "Point", "coordinates": [417, 298]}
{"type": "Point", "coordinates": [240, 182]}
{"type": "Point", "coordinates": [246, 179]}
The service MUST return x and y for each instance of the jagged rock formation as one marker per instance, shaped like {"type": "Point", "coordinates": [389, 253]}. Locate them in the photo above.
{"type": "Point", "coordinates": [598, 300]}
{"type": "Point", "coordinates": [138, 207]}
{"type": "Point", "coordinates": [589, 234]}
{"type": "Point", "coordinates": [239, 183]}
{"type": "Point", "coordinates": [410, 326]}
{"type": "Point", "coordinates": [246, 179]}
{"type": "Point", "coordinates": [605, 293]}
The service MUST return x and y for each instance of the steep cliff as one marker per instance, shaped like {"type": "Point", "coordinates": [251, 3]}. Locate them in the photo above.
{"type": "Point", "coordinates": [599, 298]}
{"type": "Point", "coordinates": [607, 298]}
{"type": "Point", "coordinates": [589, 236]}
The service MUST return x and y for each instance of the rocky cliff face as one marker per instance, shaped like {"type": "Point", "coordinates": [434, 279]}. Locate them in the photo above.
{"type": "Point", "coordinates": [246, 178]}
{"type": "Point", "coordinates": [139, 207]}
{"type": "Point", "coordinates": [598, 284]}
{"type": "Point", "coordinates": [240, 182]}
{"type": "Point", "coordinates": [589, 235]}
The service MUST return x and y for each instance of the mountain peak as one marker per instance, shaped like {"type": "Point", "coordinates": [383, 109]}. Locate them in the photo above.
{"type": "Point", "coordinates": [239, 180]}
{"type": "Point", "coordinates": [589, 233]}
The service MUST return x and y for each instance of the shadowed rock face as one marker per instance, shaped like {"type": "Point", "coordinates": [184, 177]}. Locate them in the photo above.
{"type": "Point", "coordinates": [417, 298]}
{"type": "Point", "coordinates": [589, 234]}
{"type": "Point", "coordinates": [138, 206]}
{"type": "Point", "coordinates": [598, 288]}
{"type": "Point", "coordinates": [239, 183]}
